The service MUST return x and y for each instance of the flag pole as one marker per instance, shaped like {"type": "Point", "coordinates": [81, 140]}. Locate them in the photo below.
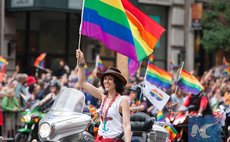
{"type": "Point", "coordinates": [97, 60]}
{"type": "Point", "coordinates": [139, 70]}
{"type": "Point", "coordinates": [182, 65]}
{"type": "Point", "coordinates": [36, 72]}
{"type": "Point", "coordinates": [80, 27]}
{"type": "Point", "coordinates": [82, 12]}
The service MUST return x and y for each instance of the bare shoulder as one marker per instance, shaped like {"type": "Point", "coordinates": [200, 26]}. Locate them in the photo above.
{"type": "Point", "coordinates": [125, 100]}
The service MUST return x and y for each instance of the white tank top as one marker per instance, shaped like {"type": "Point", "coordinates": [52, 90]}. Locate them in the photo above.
{"type": "Point", "coordinates": [113, 127]}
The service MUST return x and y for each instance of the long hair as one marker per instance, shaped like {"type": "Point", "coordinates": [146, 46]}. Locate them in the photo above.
{"type": "Point", "coordinates": [119, 87]}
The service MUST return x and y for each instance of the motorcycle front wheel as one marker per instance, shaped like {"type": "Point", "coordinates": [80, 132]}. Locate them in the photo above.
{"type": "Point", "coordinates": [20, 137]}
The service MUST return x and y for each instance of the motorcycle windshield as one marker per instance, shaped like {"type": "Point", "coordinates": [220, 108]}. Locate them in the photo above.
{"type": "Point", "coordinates": [69, 100]}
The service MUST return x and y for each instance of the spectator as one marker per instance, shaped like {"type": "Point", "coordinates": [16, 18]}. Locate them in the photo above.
{"type": "Point", "coordinates": [21, 92]}
{"type": "Point", "coordinates": [137, 104]}
{"type": "Point", "coordinates": [10, 105]}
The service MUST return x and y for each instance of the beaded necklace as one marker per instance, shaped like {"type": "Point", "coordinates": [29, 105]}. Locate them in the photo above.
{"type": "Point", "coordinates": [110, 104]}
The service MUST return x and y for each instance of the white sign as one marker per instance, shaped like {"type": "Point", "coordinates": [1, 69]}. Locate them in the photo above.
{"type": "Point", "coordinates": [156, 96]}
{"type": "Point", "coordinates": [158, 2]}
{"type": "Point", "coordinates": [75, 4]}
{"type": "Point", "coordinates": [22, 3]}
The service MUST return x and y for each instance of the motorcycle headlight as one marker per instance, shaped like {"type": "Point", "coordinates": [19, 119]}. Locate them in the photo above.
{"type": "Point", "coordinates": [44, 130]}
{"type": "Point", "coordinates": [27, 118]}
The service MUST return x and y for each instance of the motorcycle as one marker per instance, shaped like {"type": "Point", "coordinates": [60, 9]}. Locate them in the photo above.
{"type": "Point", "coordinates": [145, 129]}
{"type": "Point", "coordinates": [179, 120]}
{"type": "Point", "coordinates": [30, 118]}
{"type": "Point", "coordinates": [65, 121]}
{"type": "Point", "coordinates": [223, 113]}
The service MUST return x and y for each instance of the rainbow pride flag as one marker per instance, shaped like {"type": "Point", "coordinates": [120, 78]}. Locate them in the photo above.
{"type": "Point", "coordinates": [121, 27]}
{"type": "Point", "coordinates": [227, 71]}
{"type": "Point", "coordinates": [172, 131]}
{"type": "Point", "coordinates": [225, 62]}
{"type": "Point", "coordinates": [3, 61]}
{"type": "Point", "coordinates": [39, 61]}
{"type": "Point", "coordinates": [87, 72]}
{"type": "Point", "coordinates": [151, 58]}
{"type": "Point", "coordinates": [99, 65]}
{"type": "Point", "coordinates": [188, 83]}
{"type": "Point", "coordinates": [158, 76]}
{"type": "Point", "coordinates": [90, 78]}
{"type": "Point", "coordinates": [160, 116]}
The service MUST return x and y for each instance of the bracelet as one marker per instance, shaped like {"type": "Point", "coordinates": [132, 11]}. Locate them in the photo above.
{"type": "Point", "coordinates": [81, 65]}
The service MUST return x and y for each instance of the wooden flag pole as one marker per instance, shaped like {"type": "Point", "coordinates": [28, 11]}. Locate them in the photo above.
{"type": "Point", "coordinates": [182, 65]}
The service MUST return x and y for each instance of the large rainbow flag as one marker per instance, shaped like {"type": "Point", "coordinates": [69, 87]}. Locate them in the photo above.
{"type": "Point", "coordinates": [121, 27]}
{"type": "Point", "coordinates": [158, 76]}
{"type": "Point", "coordinates": [188, 83]}
{"type": "Point", "coordinates": [39, 61]}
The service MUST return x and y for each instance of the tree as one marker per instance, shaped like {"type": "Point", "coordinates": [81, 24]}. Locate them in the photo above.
{"type": "Point", "coordinates": [216, 26]}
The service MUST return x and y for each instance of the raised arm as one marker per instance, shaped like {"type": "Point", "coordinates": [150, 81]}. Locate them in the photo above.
{"type": "Point", "coordinates": [89, 88]}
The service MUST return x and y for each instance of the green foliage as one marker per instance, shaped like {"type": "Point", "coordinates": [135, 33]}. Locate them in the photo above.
{"type": "Point", "coordinates": [216, 25]}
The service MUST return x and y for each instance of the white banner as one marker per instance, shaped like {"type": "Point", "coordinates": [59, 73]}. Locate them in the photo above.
{"type": "Point", "coordinates": [156, 96]}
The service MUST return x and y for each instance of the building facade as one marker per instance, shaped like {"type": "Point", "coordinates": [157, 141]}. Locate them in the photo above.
{"type": "Point", "coordinates": [30, 27]}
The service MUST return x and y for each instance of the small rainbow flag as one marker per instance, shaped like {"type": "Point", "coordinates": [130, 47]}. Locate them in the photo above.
{"type": "Point", "coordinates": [90, 78]}
{"type": "Point", "coordinates": [227, 70]}
{"type": "Point", "coordinates": [151, 58]}
{"type": "Point", "coordinates": [160, 116]}
{"type": "Point", "coordinates": [172, 131]}
{"type": "Point", "coordinates": [99, 65]}
{"type": "Point", "coordinates": [226, 63]}
{"type": "Point", "coordinates": [87, 72]}
{"type": "Point", "coordinates": [39, 61]}
{"type": "Point", "coordinates": [158, 77]}
{"type": "Point", "coordinates": [188, 83]}
{"type": "Point", "coordinates": [3, 61]}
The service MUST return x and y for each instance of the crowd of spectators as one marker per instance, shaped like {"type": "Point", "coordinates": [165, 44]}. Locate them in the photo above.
{"type": "Point", "coordinates": [19, 92]}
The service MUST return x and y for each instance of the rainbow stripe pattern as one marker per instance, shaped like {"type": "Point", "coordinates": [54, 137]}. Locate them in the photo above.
{"type": "Point", "coordinates": [121, 27]}
{"type": "Point", "coordinates": [188, 83]}
{"type": "Point", "coordinates": [87, 72]}
{"type": "Point", "coordinates": [158, 76]}
{"type": "Point", "coordinates": [158, 96]}
{"type": "Point", "coordinates": [227, 71]}
{"type": "Point", "coordinates": [160, 116]}
{"type": "Point", "coordinates": [90, 78]}
{"type": "Point", "coordinates": [3, 61]}
{"type": "Point", "coordinates": [172, 131]}
{"type": "Point", "coordinates": [100, 65]}
{"type": "Point", "coordinates": [151, 58]}
{"type": "Point", "coordinates": [226, 63]}
{"type": "Point", "coordinates": [39, 61]}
